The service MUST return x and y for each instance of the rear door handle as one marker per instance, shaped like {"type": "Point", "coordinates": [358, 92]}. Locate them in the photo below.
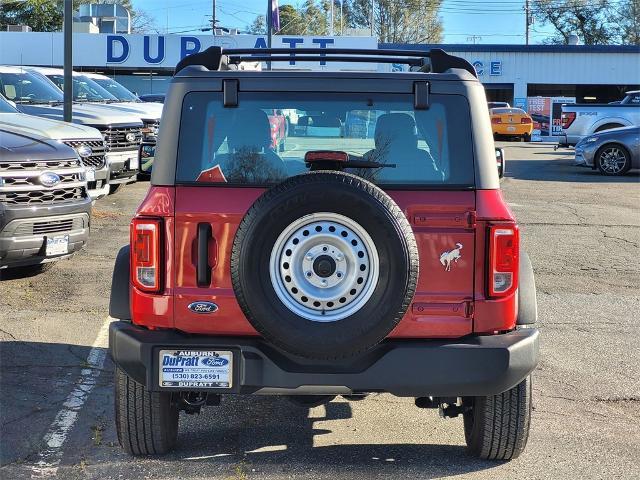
{"type": "Point", "coordinates": [203, 269]}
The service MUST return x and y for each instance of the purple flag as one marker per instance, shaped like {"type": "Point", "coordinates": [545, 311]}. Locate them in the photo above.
{"type": "Point", "coordinates": [275, 16]}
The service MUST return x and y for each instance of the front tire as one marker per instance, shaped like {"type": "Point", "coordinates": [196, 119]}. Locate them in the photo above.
{"type": "Point", "coordinates": [496, 427]}
{"type": "Point", "coordinates": [114, 188]}
{"type": "Point", "coordinates": [146, 422]}
{"type": "Point", "coordinates": [613, 160]}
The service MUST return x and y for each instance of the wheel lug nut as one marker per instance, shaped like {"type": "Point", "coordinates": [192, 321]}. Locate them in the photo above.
{"type": "Point", "coordinates": [324, 282]}
{"type": "Point", "coordinates": [339, 274]}
{"type": "Point", "coordinates": [340, 256]}
{"type": "Point", "coordinates": [309, 256]}
{"type": "Point", "coordinates": [309, 274]}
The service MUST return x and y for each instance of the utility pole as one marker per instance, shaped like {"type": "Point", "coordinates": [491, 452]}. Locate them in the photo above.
{"type": "Point", "coordinates": [526, 21]}
{"type": "Point", "coordinates": [269, 27]}
{"type": "Point", "coordinates": [68, 61]}
{"type": "Point", "coordinates": [473, 38]}
{"type": "Point", "coordinates": [371, 21]}
{"type": "Point", "coordinates": [213, 18]}
{"type": "Point", "coordinates": [331, 28]}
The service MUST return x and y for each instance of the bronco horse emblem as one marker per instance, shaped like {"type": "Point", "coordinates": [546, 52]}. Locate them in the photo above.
{"type": "Point", "coordinates": [452, 255]}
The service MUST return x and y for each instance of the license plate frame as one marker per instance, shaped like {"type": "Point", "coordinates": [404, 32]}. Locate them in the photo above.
{"type": "Point", "coordinates": [57, 245]}
{"type": "Point", "coordinates": [189, 373]}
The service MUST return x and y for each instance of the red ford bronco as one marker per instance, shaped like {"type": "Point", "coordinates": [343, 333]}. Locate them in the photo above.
{"type": "Point", "coordinates": [383, 261]}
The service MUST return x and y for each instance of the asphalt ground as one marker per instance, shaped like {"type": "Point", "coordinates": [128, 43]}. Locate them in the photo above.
{"type": "Point", "coordinates": [582, 232]}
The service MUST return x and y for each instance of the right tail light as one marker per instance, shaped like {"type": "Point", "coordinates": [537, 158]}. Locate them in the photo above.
{"type": "Point", "coordinates": [526, 120]}
{"type": "Point", "coordinates": [567, 119]}
{"type": "Point", "coordinates": [146, 254]}
{"type": "Point", "coordinates": [504, 251]}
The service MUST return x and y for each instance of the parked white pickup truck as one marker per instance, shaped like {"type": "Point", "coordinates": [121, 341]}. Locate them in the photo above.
{"type": "Point", "coordinates": [581, 120]}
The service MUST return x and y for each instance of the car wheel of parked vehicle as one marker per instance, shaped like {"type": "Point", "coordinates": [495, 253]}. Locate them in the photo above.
{"type": "Point", "coordinates": [613, 160]}
{"type": "Point", "coordinates": [114, 188]}
{"type": "Point", "coordinates": [496, 427]}
{"type": "Point", "coordinates": [324, 265]}
{"type": "Point", "coordinates": [146, 422]}
{"type": "Point", "coordinates": [527, 137]}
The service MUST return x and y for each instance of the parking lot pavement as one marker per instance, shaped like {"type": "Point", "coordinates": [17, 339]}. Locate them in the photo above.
{"type": "Point", "coordinates": [582, 232]}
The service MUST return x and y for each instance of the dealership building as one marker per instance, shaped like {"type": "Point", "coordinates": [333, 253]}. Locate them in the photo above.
{"type": "Point", "coordinates": [512, 73]}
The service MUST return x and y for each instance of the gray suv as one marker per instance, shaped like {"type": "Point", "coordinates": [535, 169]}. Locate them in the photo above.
{"type": "Point", "coordinates": [44, 205]}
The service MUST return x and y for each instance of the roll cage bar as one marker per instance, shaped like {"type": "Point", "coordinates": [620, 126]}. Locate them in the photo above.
{"type": "Point", "coordinates": [435, 60]}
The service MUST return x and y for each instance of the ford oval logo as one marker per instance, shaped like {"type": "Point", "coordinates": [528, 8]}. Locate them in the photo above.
{"type": "Point", "coordinates": [84, 151]}
{"type": "Point", "coordinates": [49, 179]}
{"type": "Point", "coordinates": [203, 307]}
{"type": "Point", "coordinates": [215, 361]}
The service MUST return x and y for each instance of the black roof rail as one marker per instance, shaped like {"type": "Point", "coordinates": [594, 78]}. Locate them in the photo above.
{"type": "Point", "coordinates": [434, 60]}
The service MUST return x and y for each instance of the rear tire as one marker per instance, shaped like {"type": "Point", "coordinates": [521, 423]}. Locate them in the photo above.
{"type": "Point", "coordinates": [496, 427]}
{"type": "Point", "coordinates": [146, 422]}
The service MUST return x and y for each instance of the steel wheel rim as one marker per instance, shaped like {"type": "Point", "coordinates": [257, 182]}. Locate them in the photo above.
{"type": "Point", "coordinates": [613, 160]}
{"type": "Point", "coordinates": [324, 267]}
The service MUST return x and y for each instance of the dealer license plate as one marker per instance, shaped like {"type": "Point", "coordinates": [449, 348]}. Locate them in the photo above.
{"type": "Point", "coordinates": [133, 163]}
{"type": "Point", "coordinates": [511, 129]}
{"type": "Point", "coordinates": [90, 175]}
{"type": "Point", "coordinates": [196, 368]}
{"type": "Point", "coordinates": [57, 245]}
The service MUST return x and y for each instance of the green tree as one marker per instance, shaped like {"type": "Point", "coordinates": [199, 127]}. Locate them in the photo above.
{"type": "Point", "coordinates": [47, 15]}
{"type": "Point", "coordinates": [259, 26]}
{"type": "Point", "coordinates": [291, 21]}
{"type": "Point", "coordinates": [40, 15]}
{"type": "Point", "coordinates": [398, 21]}
{"type": "Point", "coordinates": [594, 22]}
{"type": "Point", "coordinates": [629, 21]}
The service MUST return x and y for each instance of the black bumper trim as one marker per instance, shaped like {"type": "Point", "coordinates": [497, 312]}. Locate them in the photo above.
{"type": "Point", "coordinates": [473, 366]}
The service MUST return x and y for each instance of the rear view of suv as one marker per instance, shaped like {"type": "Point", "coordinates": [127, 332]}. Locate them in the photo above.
{"type": "Point", "coordinates": [383, 260]}
{"type": "Point", "coordinates": [44, 205]}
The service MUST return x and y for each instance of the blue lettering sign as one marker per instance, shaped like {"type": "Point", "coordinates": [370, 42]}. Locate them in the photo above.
{"type": "Point", "coordinates": [479, 66]}
{"type": "Point", "coordinates": [496, 68]}
{"type": "Point", "coordinates": [292, 44]}
{"type": "Point", "coordinates": [188, 46]}
{"type": "Point", "coordinates": [124, 45]}
{"type": "Point", "coordinates": [147, 50]}
{"type": "Point", "coordinates": [260, 43]}
{"type": "Point", "coordinates": [323, 42]}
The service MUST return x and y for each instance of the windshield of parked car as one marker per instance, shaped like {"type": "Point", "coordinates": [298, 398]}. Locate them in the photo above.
{"type": "Point", "coordinates": [25, 87]}
{"type": "Point", "coordinates": [265, 139]}
{"type": "Point", "coordinates": [632, 98]}
{"type": "Point", "coordinates": [84, 89]}
{"type": "Point", "coordinates": [117, 90]}
{"type": "Point", "coordinates": [508, 111]}
{"type": "Point", "coordinates": [6, 107]}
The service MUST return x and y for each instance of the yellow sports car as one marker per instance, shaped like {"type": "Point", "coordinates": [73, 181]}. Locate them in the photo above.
{"type": "Point", "coordinates": [511, 122]}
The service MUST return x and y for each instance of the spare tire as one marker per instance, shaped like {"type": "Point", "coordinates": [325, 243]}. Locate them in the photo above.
{"type": "Point", "coordinates": [324, 265]}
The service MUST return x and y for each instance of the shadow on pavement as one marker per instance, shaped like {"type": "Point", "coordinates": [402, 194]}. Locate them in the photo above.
{"type": "Point", "coordinates": [561, 170]}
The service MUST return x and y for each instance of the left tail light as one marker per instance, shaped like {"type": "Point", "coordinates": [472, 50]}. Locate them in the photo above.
{"type": "Point", "coordinates": [495, 120]}
{"type": "Point", "coordinates": [146, 237]}
{"type": "Point", "coordinates": [504, 251]}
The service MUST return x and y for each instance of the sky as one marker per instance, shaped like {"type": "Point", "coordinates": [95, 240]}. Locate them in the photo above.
{"type": "Point", "coordinates": [464, 21]}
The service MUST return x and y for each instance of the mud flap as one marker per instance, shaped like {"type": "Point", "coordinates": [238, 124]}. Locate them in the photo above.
{"type": "Point", "coordinates": [527, 302]}
{"type": "Point", "coordinates": [119, 301]}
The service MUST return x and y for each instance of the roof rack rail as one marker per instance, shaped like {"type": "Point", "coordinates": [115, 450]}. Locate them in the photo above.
{"type": "Point", "coordinates": [435, 60]}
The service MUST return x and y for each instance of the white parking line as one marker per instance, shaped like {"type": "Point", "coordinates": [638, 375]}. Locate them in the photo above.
{"type": "Point", "coordinates": [49, 458]}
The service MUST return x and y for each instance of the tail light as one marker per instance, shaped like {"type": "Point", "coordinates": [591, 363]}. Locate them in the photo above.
{"type": "Point", "coordinates": [504, 247]}
{"type": "Point", "coordinates": [526, 120]}
{"type": "Point", "coordinates": [496, 120]}
{"type": "Point", "coordinates": [567, 119]}
{"type": "Point", "coordinates": [145, 254]}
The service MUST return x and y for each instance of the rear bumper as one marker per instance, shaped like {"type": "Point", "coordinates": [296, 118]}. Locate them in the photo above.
{"type": "Point", "coordinates": [474, 366]}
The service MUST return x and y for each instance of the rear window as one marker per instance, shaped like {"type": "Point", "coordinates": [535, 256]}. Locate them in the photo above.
{"type": "Point", "coordinates": [264, 140]}
{"type": "Point", "coordinates": [508, 111]}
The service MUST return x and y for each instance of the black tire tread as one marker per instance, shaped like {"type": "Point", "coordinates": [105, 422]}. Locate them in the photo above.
{"type": "Point", "coordinates": [146, 422]}
{"type": "Point", "coordinates": [353, 181]}
{"type": "Point", "coordinates": [501, 423]}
